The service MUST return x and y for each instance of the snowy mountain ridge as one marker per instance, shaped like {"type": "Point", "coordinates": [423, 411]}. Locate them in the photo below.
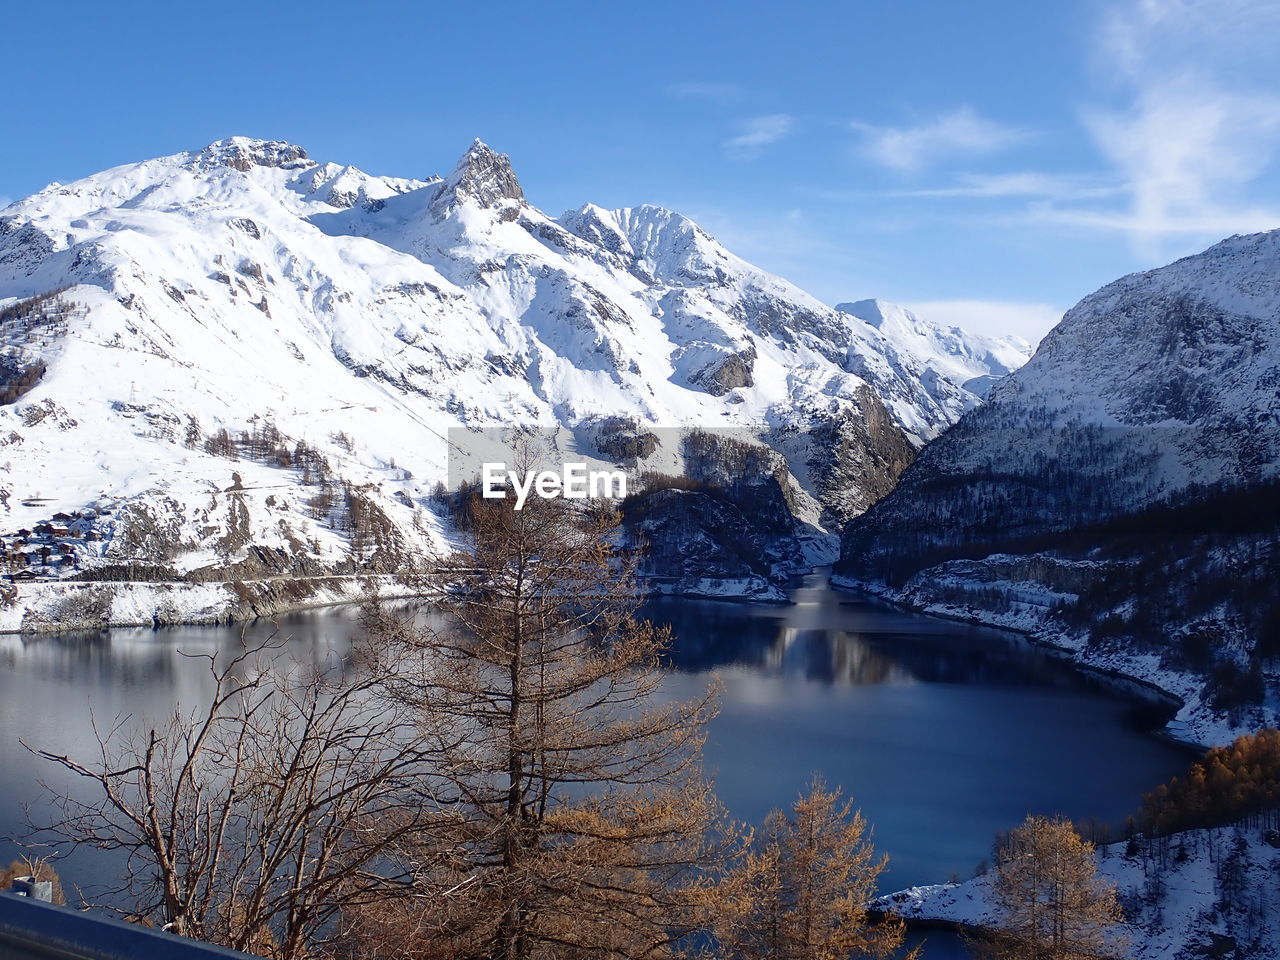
{"type": "Point", "coordinates": [973, 361]}
{"type": "Point", "coordinates": [258, 348]}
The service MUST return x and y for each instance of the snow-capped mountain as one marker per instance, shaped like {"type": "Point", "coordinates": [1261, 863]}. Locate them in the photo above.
{"type": "Point", "coordinates": [971, 361]}
{"type": "Point", "coordinates": [1118, 493]}
{"type": "Point", "coordinates": [253, 360]}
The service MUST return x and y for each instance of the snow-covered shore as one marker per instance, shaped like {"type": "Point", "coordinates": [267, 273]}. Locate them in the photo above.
{"type": "Point", "coordinates": [1195, 722]}
{"type": "Point", "coordinates": [53, 606]}
{"type": "Point", "coordinates": [743, 589]}
{"type": "Point", "coordinates": [56, 606]}
{"type": "Point", "coordinates": [1207, 893]}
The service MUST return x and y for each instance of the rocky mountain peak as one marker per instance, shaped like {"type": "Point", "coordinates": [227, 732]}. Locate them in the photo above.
{"type": "Point", "coordinates": [245, 153]}
{"type": "Point", "coordinates": [598, 226]}
{"type": "Point", "coordinates": [483, 176]}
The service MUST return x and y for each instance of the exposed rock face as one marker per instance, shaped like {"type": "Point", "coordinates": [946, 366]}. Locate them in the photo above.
{"type": "Point", "coordinates": [243, 154]}
{"type": "Point", "coordinates": [482, 176]}
{"type": "Point", "coordinates": [623, 440]}
{"type": "Point", "coordinates": [855, 459]}
{"type": "Point", "coordinates": [693, 536]}
{"type": "Point", "coordinates": [731, 516]}
{"type": "Point", "coordinates": [730, 373]}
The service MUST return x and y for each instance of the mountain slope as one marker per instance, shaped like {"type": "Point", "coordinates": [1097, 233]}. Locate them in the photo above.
{"type": "Point", "coordinates": [241, 362]}
{"type": "Point", "coordinates": [973, 362]}
{"type": "Point", "coordinates": [1118, 494]}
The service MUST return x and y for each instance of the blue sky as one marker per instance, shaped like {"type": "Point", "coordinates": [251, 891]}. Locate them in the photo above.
{"type": "Point", "coordinates": [989, 162]}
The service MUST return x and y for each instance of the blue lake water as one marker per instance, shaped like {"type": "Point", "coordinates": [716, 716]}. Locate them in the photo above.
{"type": "Point", "coordinates": [943, 733]}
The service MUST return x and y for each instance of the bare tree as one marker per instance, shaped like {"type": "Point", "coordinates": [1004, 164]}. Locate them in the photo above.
{"type": "Point", "coordinates": [579, 817]}
{"type": "Point", "coordinates": [1054, 903]}
{"type": "Point", "coordinates": [252, 822]}
{"type": "Point", "coordinates": [802, 889]}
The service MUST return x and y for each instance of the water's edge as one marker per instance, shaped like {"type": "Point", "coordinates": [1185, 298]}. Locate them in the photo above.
{"type": "Point", "coordinates": [65, 606]}
{"type": "Point", "coordinates": [1125, 684]}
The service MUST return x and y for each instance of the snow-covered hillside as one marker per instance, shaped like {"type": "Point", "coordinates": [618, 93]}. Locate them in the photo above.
{"type": "Point", "coordinates": [1202, 893]}
{"type": "Point", "coordinates": [1159, 381]}
{"type": "Point", "coordinates": [971, 361]}
{"type": "Point", "coordinates": [255, 360]}
{"type": "Point", "coordinates": [1117, 495]}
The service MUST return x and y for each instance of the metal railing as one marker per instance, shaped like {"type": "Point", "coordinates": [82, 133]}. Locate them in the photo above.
{"type": "Point", "coordinates": [32, 929]}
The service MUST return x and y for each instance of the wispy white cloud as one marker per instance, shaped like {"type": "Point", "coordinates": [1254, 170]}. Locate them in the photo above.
{"type": "Point", "coordinates": [1136, 36]}
{"type": "Point", "coordinates": [962, 132]}
{"type": "Point", "coordinates": [1021, 184]}
{"type": "Point", "coordinates": [1197, 119]}
{"type": "Point", "coordinates": [759, 132]}
{"type": "Point", "coordinates": [1185, 116]}
{"type": "Point", "coordinates": [1184, 152]}
{"type": "Point", "coordinates": [714, 92]}
{"type": "Point", "coordinates": [996, 318]}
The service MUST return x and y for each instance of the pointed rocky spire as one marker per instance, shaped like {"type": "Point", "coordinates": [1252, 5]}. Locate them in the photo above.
{"type": "Point", "coordinates": [482, 176]}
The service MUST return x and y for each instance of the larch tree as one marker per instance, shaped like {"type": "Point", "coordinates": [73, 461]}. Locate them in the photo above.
{"type": "Point", "coordinates": [578, 818]}
{"type": "Point", "coordinates": [1054, 904]}
{"type": "Point", "coordinates": [802, 889]}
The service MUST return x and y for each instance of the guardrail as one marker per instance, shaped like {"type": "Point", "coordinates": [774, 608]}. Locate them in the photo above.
{"type": "Point", "coordinates": [31, 929]}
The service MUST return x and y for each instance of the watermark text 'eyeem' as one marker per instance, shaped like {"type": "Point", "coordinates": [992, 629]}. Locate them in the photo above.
{"type": "Point", "coordinates": [573, 482]}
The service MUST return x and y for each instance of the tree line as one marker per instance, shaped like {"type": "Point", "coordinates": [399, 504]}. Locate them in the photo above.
{"type": "Point", "coordinates": [1237, 782]}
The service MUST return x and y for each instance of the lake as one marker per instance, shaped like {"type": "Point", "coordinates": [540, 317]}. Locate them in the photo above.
{"type": "Point", "coordinates": [943, 733]}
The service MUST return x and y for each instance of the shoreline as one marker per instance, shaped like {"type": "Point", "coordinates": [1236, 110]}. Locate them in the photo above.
{"type": "Point", "coordinates": [1111, 677]}
{"type": "Point", "coordinates": [68, 606]}
{"type": "Point", "coordinates": [55, 606]}
{"type": "Point", "coordinates": [50, 607]}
